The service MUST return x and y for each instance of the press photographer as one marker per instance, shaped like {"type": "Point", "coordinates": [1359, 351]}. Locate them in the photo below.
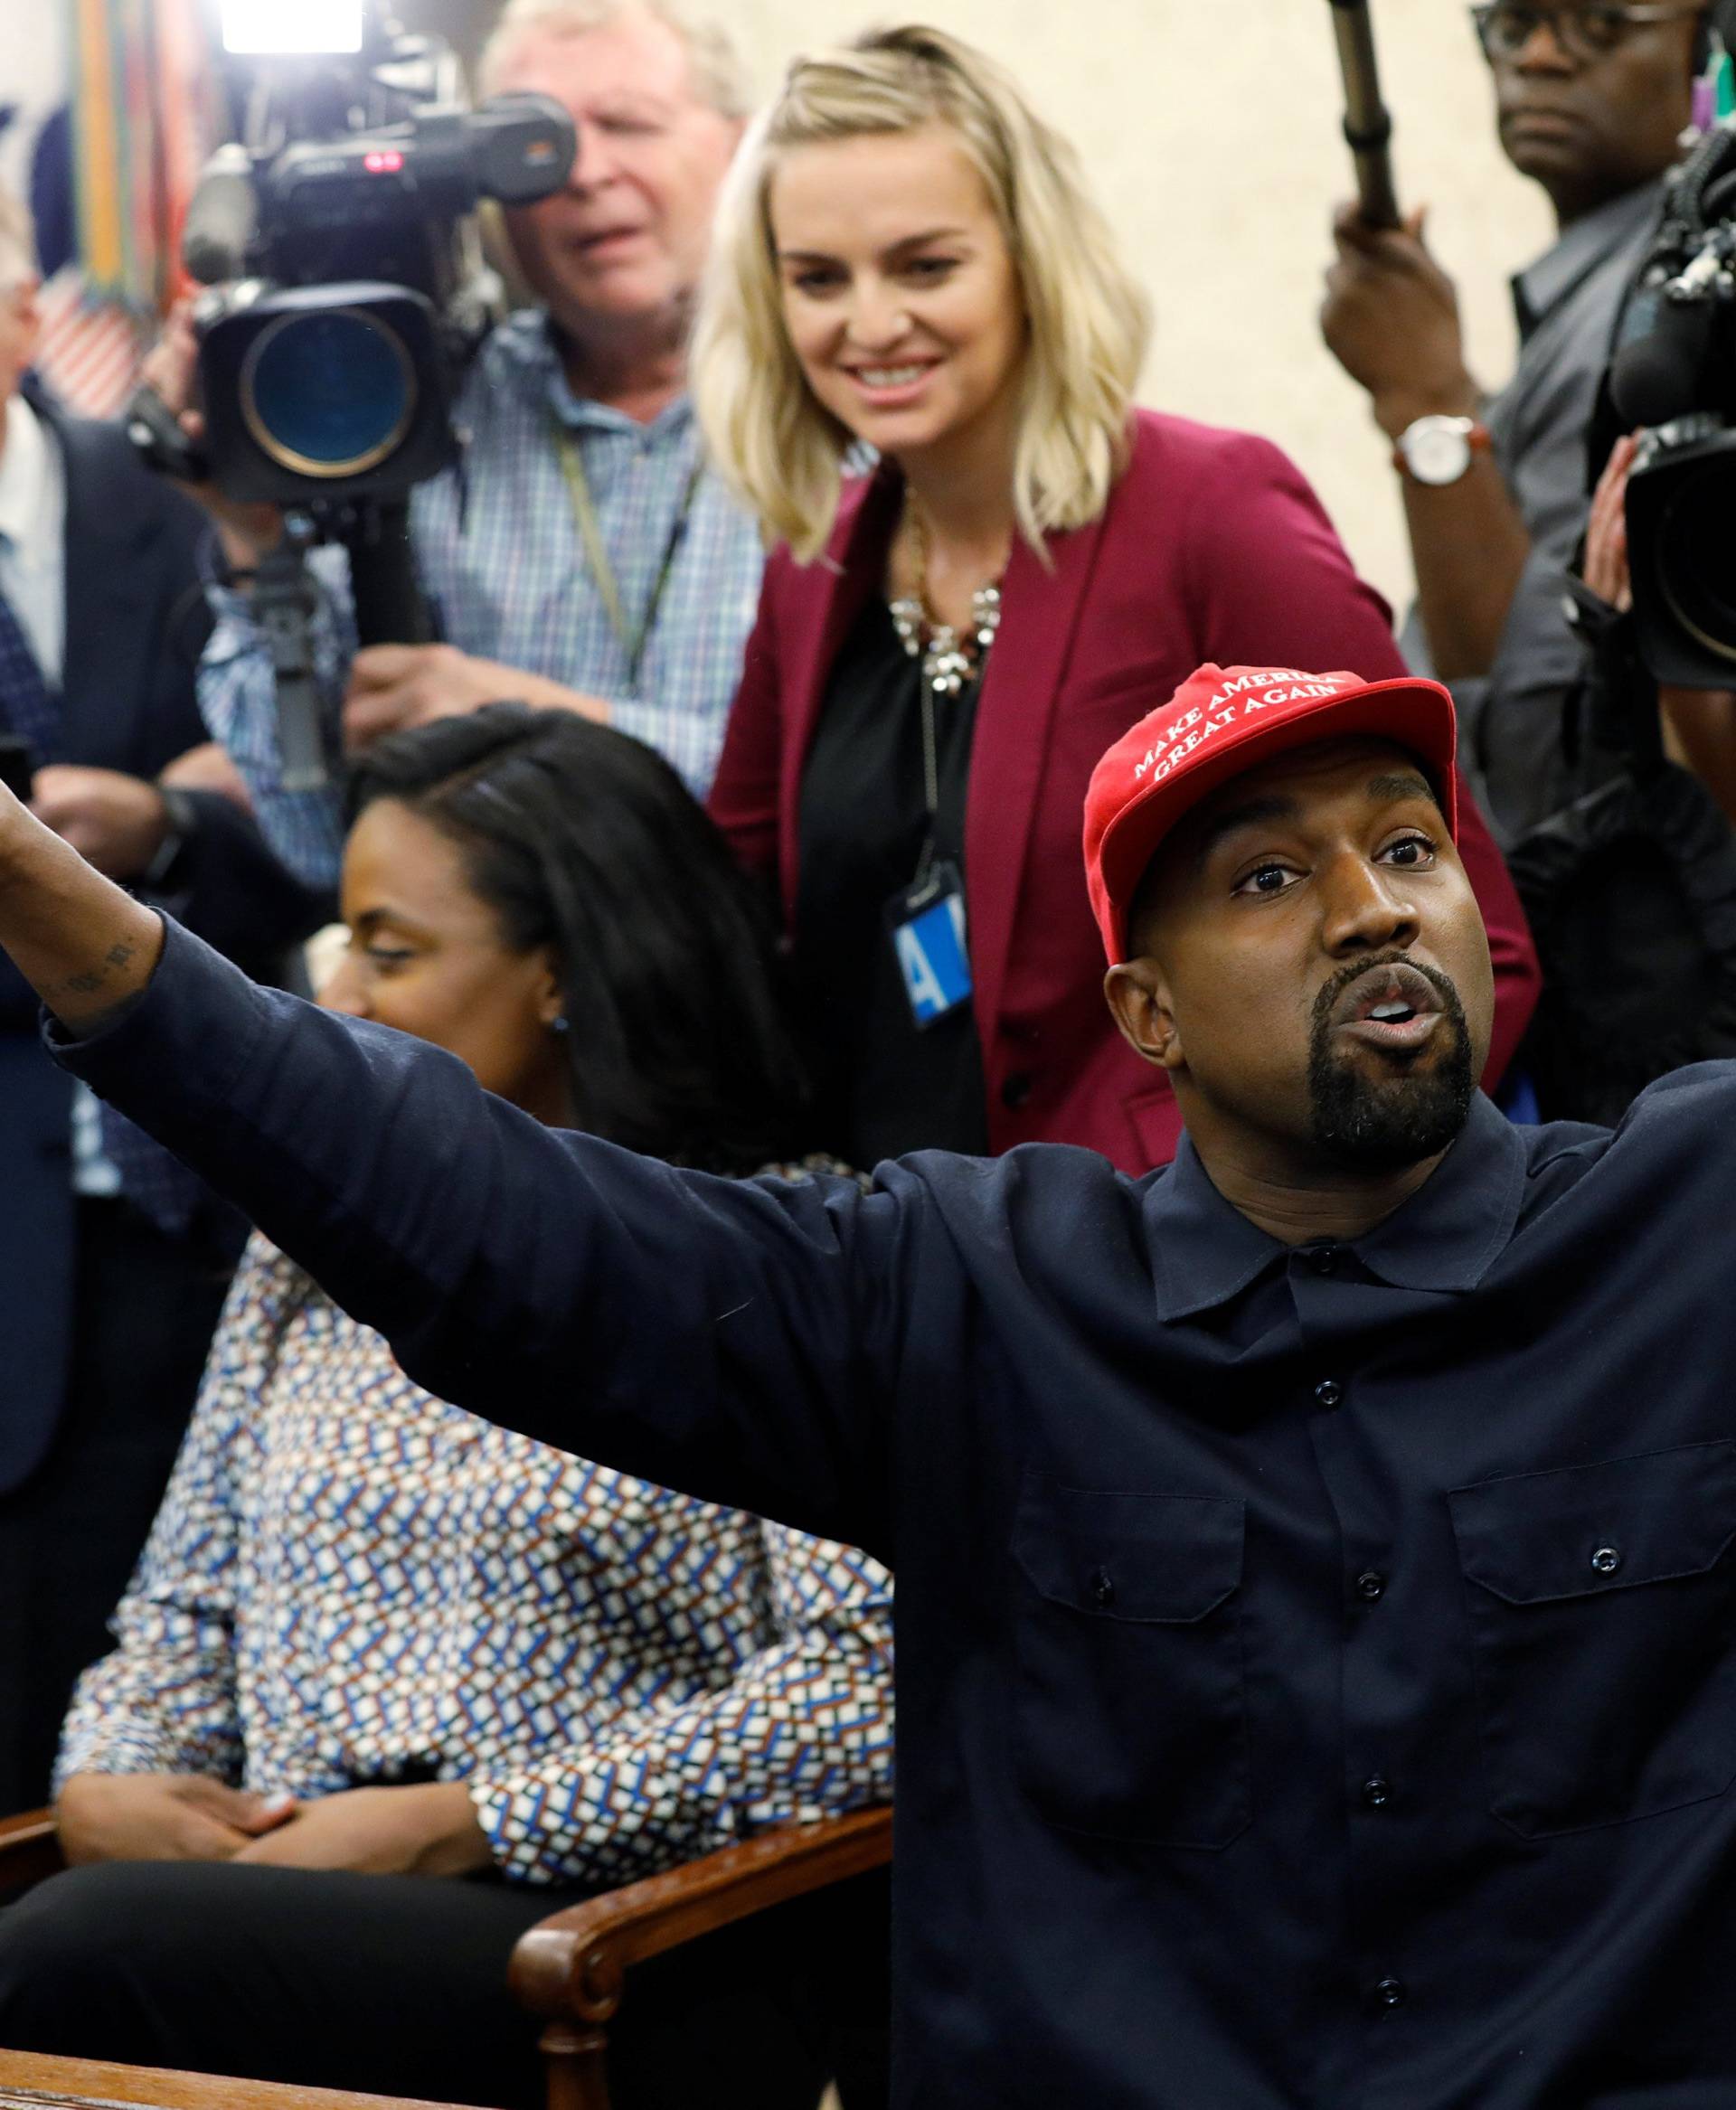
{"type": "Point", "coordinates": [348, 293]}
{"type": "Point", "coordinates": [1590, 101]}
{"type": "Point", "coordinates": [1668, 492]}
{"type": "Point", "coordinates": [577, 554]}
{"type": "Point", "coordinates": [1631, 884]}
{"type": "Point", "coordinates": [1675, 373]}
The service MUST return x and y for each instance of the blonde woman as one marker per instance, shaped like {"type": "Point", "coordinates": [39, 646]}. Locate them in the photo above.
{"type": "Point", "coordinates": [907, 260]}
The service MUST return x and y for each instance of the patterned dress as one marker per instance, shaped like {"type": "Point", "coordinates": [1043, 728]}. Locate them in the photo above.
{"type": "Point", "coordinates": [351, 1582]}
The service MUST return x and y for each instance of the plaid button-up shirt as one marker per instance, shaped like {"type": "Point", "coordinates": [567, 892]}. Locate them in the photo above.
{"type": "Point", "coordinates": [503, 560]}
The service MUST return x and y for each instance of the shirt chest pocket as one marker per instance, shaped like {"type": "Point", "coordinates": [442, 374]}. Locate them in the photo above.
{"type": "Point", "coordinates": [1129, 1707]}
{"type": "Point", "coordinates": [1602, 1604]}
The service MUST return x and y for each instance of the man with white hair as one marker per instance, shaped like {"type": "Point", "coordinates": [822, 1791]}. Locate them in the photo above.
{"type": "Point", "coordinates": [579, 557]}
{"type": "Point", "coordinates": [113, 1258]}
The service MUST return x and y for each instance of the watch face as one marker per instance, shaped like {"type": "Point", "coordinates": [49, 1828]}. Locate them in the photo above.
{"type": "Point", "coordinates": [1437, 450]}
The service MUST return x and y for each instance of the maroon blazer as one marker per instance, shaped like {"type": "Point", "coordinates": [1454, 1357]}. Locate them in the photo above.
{"type": "Point", "coordinates": [1213, 547]}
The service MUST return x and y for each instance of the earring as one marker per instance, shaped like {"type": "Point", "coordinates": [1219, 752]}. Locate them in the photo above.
{"type": "Point", "coordinates": [560, 1024]}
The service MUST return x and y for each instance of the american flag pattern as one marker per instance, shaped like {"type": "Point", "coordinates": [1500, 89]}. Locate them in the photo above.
{"type": "Point", "coordinates": [351, 1583]}
{"type": "Point", "coordinates": [91, 348]}
{"type": "Point", "coordinates": [108, 109]}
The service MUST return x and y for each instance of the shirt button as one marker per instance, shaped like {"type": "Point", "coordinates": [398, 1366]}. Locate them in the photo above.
{"type": "Point", "coordinates": [1328, 1393]}
{"type": "Point", "coordinates": [1389, 1993]}
{"type": "Point", "coordinates": [1377, 1791]}
{"type": "Point", "coordinates": [1605, 1560]}
{"type": "Point", "coordinates": [1015, 1091]}
{"type": "Point", "coordinates": [1370, 1584]}
{"type": "Point", "coordinates": [1103, 1587]}
{"type": "Point", "coordinates": [1323, 1259]}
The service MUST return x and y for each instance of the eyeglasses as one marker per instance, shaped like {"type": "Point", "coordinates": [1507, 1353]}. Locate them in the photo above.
{"type": "Point", "coordinates": [1505, 28]}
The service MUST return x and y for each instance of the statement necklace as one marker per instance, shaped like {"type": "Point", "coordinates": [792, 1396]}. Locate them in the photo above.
{"type": "Point", "coordinates": [948, 659]}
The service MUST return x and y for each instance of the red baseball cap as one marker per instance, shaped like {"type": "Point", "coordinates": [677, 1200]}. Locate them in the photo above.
{"type": "Point", "coordinates": [1220, 721]}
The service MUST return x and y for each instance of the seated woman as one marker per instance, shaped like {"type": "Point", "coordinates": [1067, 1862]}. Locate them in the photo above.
{"type": "Point", "coordinates": [374, 1641]}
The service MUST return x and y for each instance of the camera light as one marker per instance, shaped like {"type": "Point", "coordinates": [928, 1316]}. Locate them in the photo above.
{"type": "Point", "coordinates": [382, 161]}
{"type": "Point", "coordinates": [263, 26]}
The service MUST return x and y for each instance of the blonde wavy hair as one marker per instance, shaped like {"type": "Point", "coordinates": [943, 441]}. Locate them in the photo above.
{"type": "Point", "coordinates": [1089, 321]}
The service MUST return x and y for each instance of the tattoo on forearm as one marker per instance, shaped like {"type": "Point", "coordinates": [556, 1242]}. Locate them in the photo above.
{"type": "Point", "coordinates": [116, 958]}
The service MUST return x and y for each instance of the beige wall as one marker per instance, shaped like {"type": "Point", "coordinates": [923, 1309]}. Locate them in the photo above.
{"type": "Point", "coordinates": [1211, 129]}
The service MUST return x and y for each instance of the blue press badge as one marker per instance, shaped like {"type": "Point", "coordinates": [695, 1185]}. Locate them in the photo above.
{"type": "Point", "coordinates": [927, 923]}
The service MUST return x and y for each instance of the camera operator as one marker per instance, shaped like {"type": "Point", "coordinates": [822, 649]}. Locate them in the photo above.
{"type": "Point", "coordinates": [1590, 101]}
{"type": "Point", "coordinates": [1698, 725]}
{"type": "Point", "coordinates": [579, 557]}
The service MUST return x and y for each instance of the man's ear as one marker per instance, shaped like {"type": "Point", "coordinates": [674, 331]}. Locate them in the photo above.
{"type": "Point", "coordinates": [551, 998]}
{"type": "Point", "coordinates": [1139, 1000]}
{"type": "Point", "coordinates": [28, 303]}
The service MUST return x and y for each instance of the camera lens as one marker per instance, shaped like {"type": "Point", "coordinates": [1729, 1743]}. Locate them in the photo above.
{"type": "Point", "coordinates": [1695, 555]}
{"type": "Point", "coordinates": [327, 393]}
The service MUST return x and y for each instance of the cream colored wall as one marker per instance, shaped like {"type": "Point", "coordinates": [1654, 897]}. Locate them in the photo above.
{"type": "Point", "coordinates": [1210, 127]}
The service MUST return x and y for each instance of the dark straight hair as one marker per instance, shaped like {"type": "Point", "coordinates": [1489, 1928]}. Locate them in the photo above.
{"type": "Point", "coordinates": [585, 841]}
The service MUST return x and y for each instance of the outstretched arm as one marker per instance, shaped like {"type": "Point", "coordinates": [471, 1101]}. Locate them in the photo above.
{"type": "Point", "coordinates": [85, 945]}
{"type": "Point", "coordinates": [736, 1339]}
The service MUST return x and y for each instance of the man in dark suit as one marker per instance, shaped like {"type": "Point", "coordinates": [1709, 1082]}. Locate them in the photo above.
{"type": "Point", "coordinates": [113, 1259]}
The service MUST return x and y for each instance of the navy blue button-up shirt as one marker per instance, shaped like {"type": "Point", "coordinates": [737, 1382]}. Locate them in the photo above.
{"type": "Point", "coordinates": [1318, 1666]}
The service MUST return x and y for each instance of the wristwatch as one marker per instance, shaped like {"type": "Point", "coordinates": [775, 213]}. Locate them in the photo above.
{"type": "Point", "coordinates": [1438, 450]}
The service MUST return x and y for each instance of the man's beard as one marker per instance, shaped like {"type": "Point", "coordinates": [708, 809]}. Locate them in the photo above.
{"type": "Point", "coordinates": [1383, 1122]}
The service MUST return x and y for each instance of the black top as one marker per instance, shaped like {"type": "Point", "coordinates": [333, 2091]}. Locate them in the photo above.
{"type": "Point", "coordinates": [884, 1086]}
{"type": "Point", "coordinates": [1316, 1668]}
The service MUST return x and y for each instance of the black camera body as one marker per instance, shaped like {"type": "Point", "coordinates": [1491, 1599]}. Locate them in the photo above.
{"type": "Point", "coordinates": [1674, 373]}
{"type": "Point", "coordinates": [348, 292]}
{"type": "Point", "coordinates": [348, 285]}
{"type": "Point", "coordinates": [326, 392]}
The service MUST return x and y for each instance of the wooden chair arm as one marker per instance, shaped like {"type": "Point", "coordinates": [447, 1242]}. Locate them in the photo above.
{"type": "Point", "coordinates": [30, 1848]}
{"type": "Point", "coordinates": [570, 1967]}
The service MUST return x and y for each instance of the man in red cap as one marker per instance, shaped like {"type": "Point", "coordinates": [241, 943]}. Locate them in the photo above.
{"type": "Point", "coordinates": [1291, 933]}
{"type": "Point", "coordinates": [1317, 1616]}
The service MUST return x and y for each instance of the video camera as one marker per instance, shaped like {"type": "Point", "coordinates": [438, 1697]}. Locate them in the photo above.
{"type": "Point", "coordinates": [348, 292]}
{"type": "Point", "coordinates": [349, 288]}
{"type": "Point", "coordinates": [1673, 371]}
